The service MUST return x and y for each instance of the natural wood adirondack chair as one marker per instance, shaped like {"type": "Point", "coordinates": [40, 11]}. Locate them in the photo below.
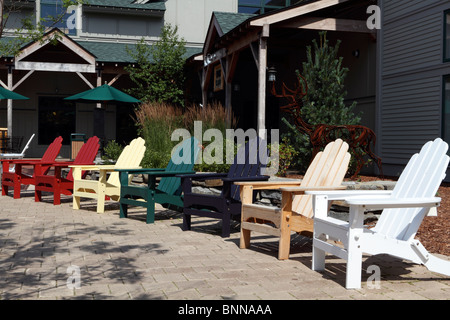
{"type": "Point", "coordinates": [40, 166]}
{"type": "Point", "coordinates": [168, 190]}
{"type": "Point", "coordinates": [326, 171]}
{"type": "Point", "coordinates": [130, 157]}
{"type": "Point", "coordinates": [247, 165]}
{"type": "Point", "coordinates": [58, 185]}
{"type": "Point", "coordinates": [403, 211]}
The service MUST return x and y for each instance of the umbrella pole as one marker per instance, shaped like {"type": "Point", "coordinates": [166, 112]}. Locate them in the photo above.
{"type": "Point", "coordinates": [99, 125]}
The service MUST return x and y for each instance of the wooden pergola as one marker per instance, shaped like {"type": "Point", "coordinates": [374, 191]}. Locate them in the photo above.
{"type": "Point", "coordinates": [254, 33]}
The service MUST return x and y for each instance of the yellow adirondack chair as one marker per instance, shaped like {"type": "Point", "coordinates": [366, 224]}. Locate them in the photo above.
{"type": "Point", "coordinates": [326, 172]}
{"type": "Point", "coordinates": [130, 158]}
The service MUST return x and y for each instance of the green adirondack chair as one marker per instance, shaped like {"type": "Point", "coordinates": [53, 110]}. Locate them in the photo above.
{"type": "Point", "coordinates": [168, 191]}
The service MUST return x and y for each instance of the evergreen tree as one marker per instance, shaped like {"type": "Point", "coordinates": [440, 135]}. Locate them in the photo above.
{"type": "Point", "coordinates": [159, 71]}
{"type": "Point", "coordinates": [325, 75]}
{"type": "Point", "coordinates": [325, 101]}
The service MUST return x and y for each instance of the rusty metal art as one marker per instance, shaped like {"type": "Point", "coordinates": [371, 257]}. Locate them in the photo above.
{"type": "Point", "coordinates": [359, 138]}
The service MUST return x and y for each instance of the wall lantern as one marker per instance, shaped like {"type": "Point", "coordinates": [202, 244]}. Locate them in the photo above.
{"type": "Point", "coordinates": [272, 74]}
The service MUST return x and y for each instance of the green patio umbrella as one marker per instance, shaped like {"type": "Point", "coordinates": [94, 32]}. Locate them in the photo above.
{"type": "Point", "coordinates": [101, 94]}
{"type": "Point", "coordinates": [7, 94]}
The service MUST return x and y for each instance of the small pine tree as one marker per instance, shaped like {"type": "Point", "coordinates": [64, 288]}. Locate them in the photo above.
{"type": "Point", "coordinates": [324, 103]}
{"type": "Point", "coordinates": [325, 77]}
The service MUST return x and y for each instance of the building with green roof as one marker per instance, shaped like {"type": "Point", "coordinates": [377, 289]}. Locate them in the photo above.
{"type": "Point", "coordinates": [91, 50]}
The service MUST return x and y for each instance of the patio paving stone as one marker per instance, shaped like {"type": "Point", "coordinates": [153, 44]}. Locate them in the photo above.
{"type": "Point", "coordinates": [125, 259]}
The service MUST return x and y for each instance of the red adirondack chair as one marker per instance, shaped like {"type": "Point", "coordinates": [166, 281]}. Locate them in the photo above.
{"type": "Point", "coordinates": [16, 178]}
{"type": "Point", "coordinates": [58, 185]}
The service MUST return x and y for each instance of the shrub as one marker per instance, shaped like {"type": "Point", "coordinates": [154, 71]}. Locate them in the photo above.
{"type": "Point", "coordinates": [286, 156]}
{"type": "Point", "coordinates": [112, 151]}
{"type": "Point", "coordinates": [212, 116]}
{"type": "Point", "coordinates": [156, 122]}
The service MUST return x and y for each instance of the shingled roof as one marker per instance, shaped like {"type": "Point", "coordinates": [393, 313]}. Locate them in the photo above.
{"type": "Point", "coordinates": [229, 20]}
{"type": "Point", "coordinates": [117, 52]}
{"type": "Point", "coordinates": [130, 4]}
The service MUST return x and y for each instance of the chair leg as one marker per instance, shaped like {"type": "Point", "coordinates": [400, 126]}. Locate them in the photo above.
{"type": "Point", "coordinates": [186, 221]}
{"type": "Point", "coordinates": [285, 230]}
{"type": "Point", "coordinates": [56, 197]}
{"type": "Point", "coordinates": [284, 244]}
{"type": "Point", "coordinates": [37, 196]}
{"type": "Point", "coordinates": [318, 255]}
{"type": "Point", "coordinates": [4, 190]}
{"type": "Point", "coordinates": [318, 259]}
{"type": "Point", "coordinates": [16, 191]}
{"type": "Point", "coordinates": [226, 221]}
{"type": "Point", "coordinates": [76, 202]}
{"type": "Point", "coordinates": [433, 263]}
{"type": "Point", "coordinates": [151, 211]}
{"type": "Point", "coordinates": [354, 266]}
{"type": "Point", "coordinates": [245, 238]}
{"type": "Point", "coordinates": [354, 251]}
{"type": "Point", "coordinates": [123, 210]}
{"type": "Point", "coordinates": [101, 201]}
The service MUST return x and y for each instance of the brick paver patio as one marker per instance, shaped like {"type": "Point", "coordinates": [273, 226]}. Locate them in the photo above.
{"type": "Point", "coordinates": [128, 259]}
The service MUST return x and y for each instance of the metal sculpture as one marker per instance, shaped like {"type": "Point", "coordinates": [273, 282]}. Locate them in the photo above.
{"type": "Point", "coordinates": [359, 138]}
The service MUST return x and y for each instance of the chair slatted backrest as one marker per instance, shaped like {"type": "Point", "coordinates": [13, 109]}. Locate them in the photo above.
{"type": "Point", "coordinates": [327, 169]}
{"type": "Point", "coordinates": [250, 161]}
{"type": "Point", "coordinates": [183, 159]}
{"type": "Point", "coordinates": [130, 157]}
{"type": "Point", "coordinates": [52, 150]}
{"type": "Point", "coordinates": [86, 154]}
{"type": "Point", "coordinates": [421, 178]}
{"type": "Point", "coordinates": [27, 145]}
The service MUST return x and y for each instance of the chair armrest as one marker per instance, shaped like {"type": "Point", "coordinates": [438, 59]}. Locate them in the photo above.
{"type": "Point", "coordinates": [25, 161]}
{"type": "Point", "coordinates": [204, 176]}
{"type": "Point", "coordinates": [383, 203]}
{"type": "Point", "coordinates": [140, 170]}
{"type": "Point", "coordinates": [93, 167]}
{"type": "Point", "coordinates": [61, 164]}
{"type": "Point", "coordinates": [170, 173]}
{"type": "Point", "coordinates": [21, 160]}
{"type": "Point", "coordinates": [268, 185]}
{"type": "Point", "coordinates": [310, 189]}
{"type": "Point", "coordinates": [344, 194]}
{"type": "Point", "coordinates": [243, 179]}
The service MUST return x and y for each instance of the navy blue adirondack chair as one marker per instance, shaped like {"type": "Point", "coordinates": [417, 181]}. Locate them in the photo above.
{"type": "Point", "coordinates": [247, 166]}
{"type": "Point", "coordinates": [168, 191]}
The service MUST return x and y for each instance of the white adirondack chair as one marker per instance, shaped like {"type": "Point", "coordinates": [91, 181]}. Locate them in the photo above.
{"type": "Point", "coordinates": [403, 212]}
{"type": "Point", "coordinates": [17, 155]}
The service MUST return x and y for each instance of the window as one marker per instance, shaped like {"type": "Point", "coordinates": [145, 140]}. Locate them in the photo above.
{"type": "Point", "coordinates": [52, 11]}
{"type": "Point", "coordinates": [218, 78]}
{"type": "Point", "coordinates": [446, 110]}
{"type": "Point", "coordinates": [447, 36]}
{"type": "Point", "coordinates": [263, 6]}
{"type": "Point", "coordinates": [56, 118]}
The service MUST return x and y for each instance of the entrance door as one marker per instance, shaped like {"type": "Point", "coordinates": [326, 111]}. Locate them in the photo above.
{"type": "Point", "coordinates": [56, 118]}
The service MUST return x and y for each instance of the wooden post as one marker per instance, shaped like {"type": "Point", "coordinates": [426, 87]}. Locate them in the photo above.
{"type": "Point", "coordinates": [262, 78]}
{"type": "Point", "coordinates": [228, 89]}
{"type": "Point", "coordinates": [10, 104]}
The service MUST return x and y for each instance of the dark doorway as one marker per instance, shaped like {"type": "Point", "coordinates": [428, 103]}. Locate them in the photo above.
{"type": "Point", "coordinates": [56, 118]}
